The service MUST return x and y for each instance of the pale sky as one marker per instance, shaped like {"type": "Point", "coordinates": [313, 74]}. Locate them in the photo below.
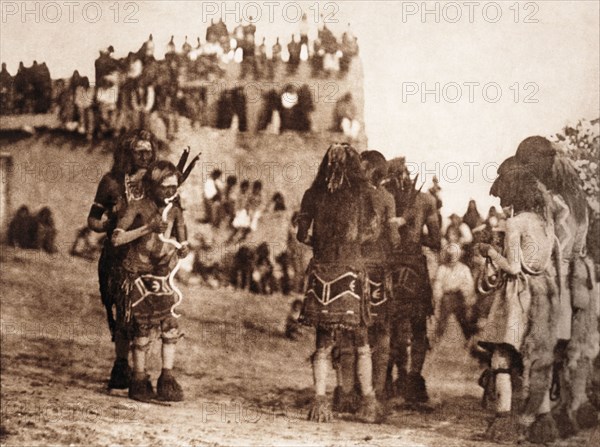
{"type": "Point", "coordinates": [554, 61]}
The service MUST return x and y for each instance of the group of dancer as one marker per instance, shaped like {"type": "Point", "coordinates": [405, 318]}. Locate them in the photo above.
{"type": "Point", "coordinates": [546, 313]}
{"type": "Point", "coordinates": [368, 309]}
{"type": "Point", "coordinates": [368, 293]}
{"type": "Point", "coordinates": [137, 206]}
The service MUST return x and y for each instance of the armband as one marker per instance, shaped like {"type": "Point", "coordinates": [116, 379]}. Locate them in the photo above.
{"type": "Point", "coordinates": [96, 211]}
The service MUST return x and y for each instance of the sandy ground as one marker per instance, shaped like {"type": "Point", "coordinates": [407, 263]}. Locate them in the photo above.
{"type": "Point", "coordinates": [245, 384]}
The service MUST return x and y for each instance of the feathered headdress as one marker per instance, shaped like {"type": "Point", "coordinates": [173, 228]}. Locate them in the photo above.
{"type": "Point", "coordinates": [185, 172]}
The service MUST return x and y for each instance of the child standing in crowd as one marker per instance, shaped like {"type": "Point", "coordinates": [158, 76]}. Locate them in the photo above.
{"type": "Point", "coordinates": [241, 220]}
{"type": "Point", "coordinates": [150, 297]}
{"type": "Point", "coordinates": [84, 101]}
{"type": "Point", "coordinates": [227, 208]}
{"type": "Point", "coordinates": [213, 188]}
{"type": "Point", "coordinates": [255, 204]}
{"type": "Point", "coordinates": [453, 292]}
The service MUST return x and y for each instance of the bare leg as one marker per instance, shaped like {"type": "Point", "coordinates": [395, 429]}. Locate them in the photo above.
{"type": "Point", "coordinates": [504, 427]}
{"type": "Point", "coordinates": [365, 370]}
{"type": "Point", "coordinates": [140, 347]}
{"type": "Point", "coordinates": [543, 430]}
{"type": "Point", "coordinates": [320, 410]}
{"type": "Point", "coordinates": [140, 388]}
{"type": "Point", "coordinates": [345, 398]}
{"type": "Point", "coordinates": [167, 387]}
{"type": "Point", "coordinates": [501, 365]}
{"type": "Point", "coordinates": [168, 355]}
{"type": "Point", "coordinates": [370, 410]}
{"type": "Point", "coordinates": [380, 346]}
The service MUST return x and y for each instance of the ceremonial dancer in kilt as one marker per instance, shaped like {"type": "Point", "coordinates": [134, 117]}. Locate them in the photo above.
{"type": "Point", "coordinates": [150, 296]}
{"type": "Point", "coordinates": [411, 284]}
{"type": "Point", "coordinates": [339, 208]}
{"type": "Point", "coordinates": [122, 185]}
{"type": "Point", "coordinates": [376, 255]}
{"type": "Point", "coordinates": [378, 258]}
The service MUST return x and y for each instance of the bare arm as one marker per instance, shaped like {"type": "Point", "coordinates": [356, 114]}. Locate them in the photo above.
{"type": "Point", "coordinates": [97, 225]}
{"type": "Point", "coordinates": [180, 228]}
{"type": "Point", "coordinates": [512, 247]}
{"type": "Point", "coordinates": [391, 225]}
{"type": "Point", "coordinates": [181, 235]}
{"type": "Point", "coordinates": [305, 218]}
{"type": "Point", "coordinates": [122, 235]}
{"type": "Point", "coordinates": [104, 201]}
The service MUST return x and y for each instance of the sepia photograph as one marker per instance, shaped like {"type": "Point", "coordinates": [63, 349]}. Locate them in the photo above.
{"type": "Point", "coordinates": [300, 223]}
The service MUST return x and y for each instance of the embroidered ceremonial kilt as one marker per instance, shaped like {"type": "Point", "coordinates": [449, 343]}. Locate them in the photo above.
{"type": "Point", "coordinates": [150, 298]}
{"type": "Point", "coordinates": [380, 292]}
{"type": "Point", "coordinates": [336, 297]}
{"type": "Point", "coordinates": [411, 287]}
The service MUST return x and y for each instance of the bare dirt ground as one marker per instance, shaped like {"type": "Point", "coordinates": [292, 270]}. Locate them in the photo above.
{"type": "Point", "coordinates": [245, 384]}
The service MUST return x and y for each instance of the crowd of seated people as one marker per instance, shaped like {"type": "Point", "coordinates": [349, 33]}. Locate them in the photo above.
{"type": "Point", "coordinates": [254, 269]}
{"type": "Point", "coordinates": [237, 208]}
{"type": "Point", "coordinates": [129, 90]}
{"type": "Point", "coordinates": [232, 211]}
{"type": "Point", "coordinates": [33, 230]}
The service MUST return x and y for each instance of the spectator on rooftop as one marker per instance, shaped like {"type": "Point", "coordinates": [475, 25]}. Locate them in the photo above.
{"type": "Point", "coordinates": [275, 58]}
{"type": "Point", "coordinates": [6, 91]}
{"type": "Point", "coordinates": [186, 47]}
{"type": "Point", "coordinates": [304, 30]}
{"type": "Point", "coordinates": [171, 48]}
{"type": "Point", "coordinates": [294, 61]}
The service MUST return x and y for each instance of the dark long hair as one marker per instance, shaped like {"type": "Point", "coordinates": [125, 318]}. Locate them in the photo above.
{"type": "Point", "coordinates": [375, 160]}
{"type": "Point", "coordinates": [554, 170]}
{"type": "Point", "coordinates": [339, 169]}
{"type": "Point", "coordinates": [123, 154]}
{"type": "Point", "coordinates": [518, 188]}
{"type": "Point", "coordinates": [340, 190]}
{"type": "Point", "coordinates": [566, 182]}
